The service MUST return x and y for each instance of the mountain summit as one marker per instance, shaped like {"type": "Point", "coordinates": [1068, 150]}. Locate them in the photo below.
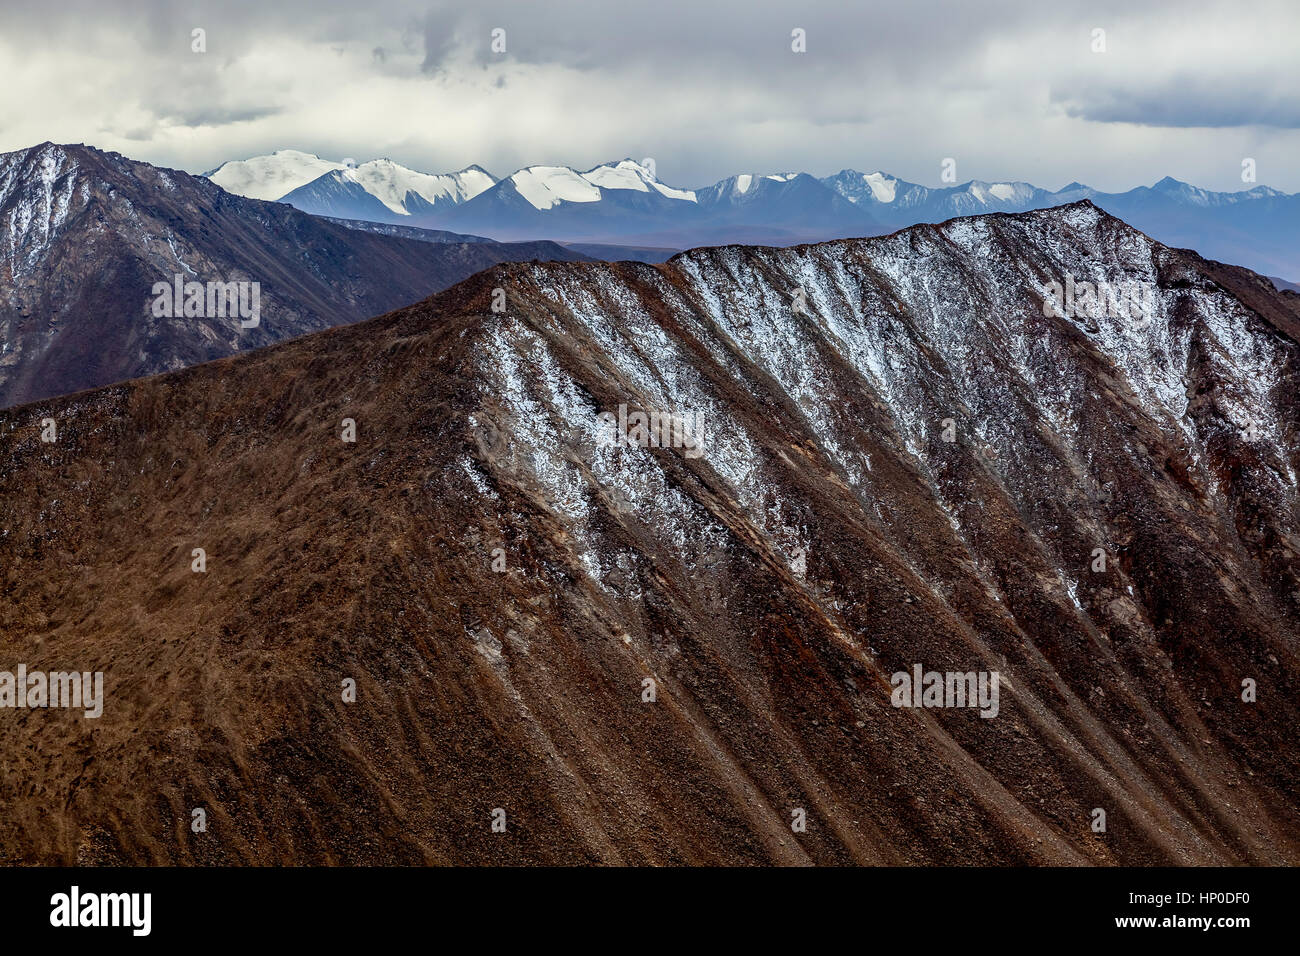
{"type": "Point", "coordinates": [273, 176]}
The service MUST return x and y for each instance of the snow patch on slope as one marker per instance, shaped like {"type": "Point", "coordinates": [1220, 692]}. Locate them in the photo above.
{"type": "Point", "coordinates": [882, 187]}
{"type": "Point", "coordinates": [545, 187]}
{"type": "Point", "coordinates": [42, 207]}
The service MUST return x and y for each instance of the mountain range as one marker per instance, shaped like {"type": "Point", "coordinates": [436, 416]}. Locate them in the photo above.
{"type": "Point", "coordinates": [625, 203]}
{"type": "Point", "coordinates": [87, 234]}
{"type": "Point", "coordinates": [486, 631]}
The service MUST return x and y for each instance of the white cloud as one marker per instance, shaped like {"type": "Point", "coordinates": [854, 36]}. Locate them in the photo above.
{"type": "Point", "coordinates": [1011, 90]}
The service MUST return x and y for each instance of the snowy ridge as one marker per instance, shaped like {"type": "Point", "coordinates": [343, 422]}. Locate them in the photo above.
{"type": "Point", "coordinates": [545, 187]}
{"type": "Point", "coordinates": [938, 329]}
{"type": "Point", "coordinates": [392, 184]}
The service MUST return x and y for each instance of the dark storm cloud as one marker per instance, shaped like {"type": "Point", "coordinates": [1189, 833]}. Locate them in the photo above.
{"type": "Point", "coordinates": [731, 34]}
{"type": "Point", "coordinates": [1186, 102]}
{"type": "Point", "coordinates": [212, 115]}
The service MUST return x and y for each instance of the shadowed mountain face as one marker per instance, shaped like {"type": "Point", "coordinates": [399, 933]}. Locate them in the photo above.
{"type": "Point", "coordinates": [85, 235]}
{"type": "Point", "coordinates": [664, 654]}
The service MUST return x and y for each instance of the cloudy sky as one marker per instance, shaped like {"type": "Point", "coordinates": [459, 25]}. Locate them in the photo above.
{"type": "Point", "coordinates": [707, 88]}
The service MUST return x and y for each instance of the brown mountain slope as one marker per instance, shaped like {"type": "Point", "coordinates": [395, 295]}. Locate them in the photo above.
{"type": "Point", "coordinates": [827, 537]}
{"type": "Point", "coordinates": [85, 235]}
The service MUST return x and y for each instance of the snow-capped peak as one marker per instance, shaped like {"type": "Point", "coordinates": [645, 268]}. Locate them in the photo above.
{"type": "Point", "coordinates": [629, 174]}
{"type": "Point", "coordinates": [391, 183]}
{"type": "Point", "coordinates": [544, 187]}
{"type": "Point", "coordinates": [272, 176]}
{"type": "Point", "coordinates": [1187, 193]}
{"type": "Point", "coordinates": [1182, 190]}
{"type": "Point", "coordinates": [986, 193]}
{"type": "Point", "coordinates": [626, 174]}
{"type": "Point", "coordinates": [742, 183]}
{"type": "Point", "coordinates": [276, 175]}
{"type": "Point", "coordinates": [1260, 192]}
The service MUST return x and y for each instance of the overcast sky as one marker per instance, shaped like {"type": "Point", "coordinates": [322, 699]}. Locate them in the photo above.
{"type": "Point", "coordinates": [1010, 90]}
